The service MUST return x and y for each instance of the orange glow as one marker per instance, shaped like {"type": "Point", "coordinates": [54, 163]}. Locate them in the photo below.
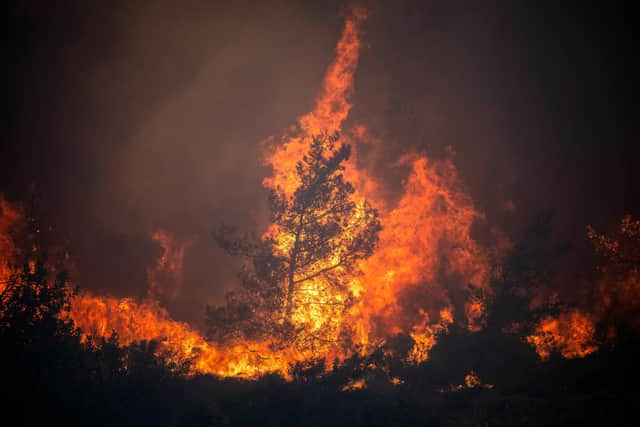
{"type": "Point", "coordinates": [425, 337]}
{"type": "Point", "coordinates": [353, 385]}
{"type": "Point", "coordinates": [471, 381]}
{"type": "Point", "coordinates": [165, 278]}
{"type": "Point", "coordinates": [424, 250]}
{"type": "Point", "coordinates": [571, 334]}
{"type": "Point", "coordinates": [11, 219]}
{"type": "Point", "coordinates": [132, 321]}
{"type": "Point", "coordinates": [414, 283]}
{"type": "Point", "coordinates": [616, 297]}
{"type": "Point", "coordinates": [331, 108]}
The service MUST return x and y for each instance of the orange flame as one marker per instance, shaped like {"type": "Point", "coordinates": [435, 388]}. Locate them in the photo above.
{"type": "Point", "coordinates": [331, 108]}
{"type": "Point", "coordinates": [165, 278]}
{"type": "Point", "coordinates": [133, 322]}
{"type": "Point", "coordinates": [425, 249]}
{"type": "Point", "coordinates": [615, 297]}
{"type": "Point", "coordinates": [425, 252]}
{"type": "Point", "coordinates": [571, 334]}
{"type": "Point", "coordinates": [471, 381]}
{"type": "Point", "coordinates": [11, 219]}
{"type": "Point", "coordinates": [414, 283]}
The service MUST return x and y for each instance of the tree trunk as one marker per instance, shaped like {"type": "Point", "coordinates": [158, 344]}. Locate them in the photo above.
{"type": "Point", "coordinates": [291, 288]}
{"type": "Point", "coordinates": [292, 271]}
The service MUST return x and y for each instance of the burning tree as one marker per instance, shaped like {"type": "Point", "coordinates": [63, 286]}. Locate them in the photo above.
{"type": "Point", "coordinates": [623, 249]}
{"type": "Point", "coordinates": [619, 287]}
{"type": "Point", "coordinates": [299, 270]}
{"type": "Point", "coordinates": [612, 304]}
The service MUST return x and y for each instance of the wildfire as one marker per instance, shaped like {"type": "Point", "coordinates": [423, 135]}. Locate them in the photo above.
{"type": "Point", "coordinates": [616, 297]}
{"type": "Point", "coordinates": [10, 218]}
{"type": "Point", "coordinates": [353, 385]}
{"type": "Point", "coordinates": [425, 257]}
{"type": "Point", "coordinates": [426, 254]}
{"type": "Point", "coordinates": [571, 334]}
{"type": "Point", "coordinates": [418, 273]}
{"type": "Point", "coordinates": [471, 381]}
{"type": "Point", "coordinates": [136, 321]}
{"type": "Point", "coordinates": [425, 336]}
{"type": "Point", "coordinates": [331, 108]}
{"type": "Point", "coordinates": [416, 282]}
{"type": "Point", "coordinates": [165, 278]}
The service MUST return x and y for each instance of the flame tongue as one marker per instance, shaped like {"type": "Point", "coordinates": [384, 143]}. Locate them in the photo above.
{"type": "Point", "coordinates": [331, 108]}
{"type": "Point", "coordinates": [425, 246]}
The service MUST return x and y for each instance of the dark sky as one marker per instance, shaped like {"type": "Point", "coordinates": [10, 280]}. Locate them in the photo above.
{"type": "Point", "coordinates": [138, 115]}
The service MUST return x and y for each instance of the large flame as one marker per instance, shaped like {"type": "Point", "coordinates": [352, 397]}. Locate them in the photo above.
{"type": "Point", "coordinates": [416, 283]}
{"type": "Point", "coordinates": [614, 298]}
{"type": "Point", "coordinates": [136, 321]}
{"type": "Point", "coordinates": [571, 334]}
{"type": "Point", "coordinates": [417, 277]}
{"type": "Point", "coordinates": [331, 108]}
{"type": "Point", "coordinates": [413, 284]}
{"type": "Point", "coordinates": [426, 256]}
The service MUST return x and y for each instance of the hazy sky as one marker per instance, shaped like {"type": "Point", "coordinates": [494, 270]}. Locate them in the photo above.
{"type": "Point", "coordinates": [138, 115]}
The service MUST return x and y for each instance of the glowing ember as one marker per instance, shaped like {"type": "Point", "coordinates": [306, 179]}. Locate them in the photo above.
{"type": "Point", "coordinates": [471, 381]}
{"type": "Point", "coordinates": [353, 385]}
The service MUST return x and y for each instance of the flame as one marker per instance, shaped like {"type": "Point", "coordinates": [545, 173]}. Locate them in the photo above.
{"type": "Point", "coordinates": [471, 381]}
{"type": "Point", "coordinates": [419, 272]}
{"type": "Point", "coordinates": [425, 248]}
{"type": "Point", "coordinates": [331, 108]}
{"type": "Point", "coordinates": [165, 278]}
{"type": "Point", "coordinates": [11, 219]}
{"type": "Point", "coordinates": [353, 385]}
{"type": "Point", "coordinates": [136, 321]}
{"type": "Point", "coordinates": [425, 252]}
{"type": "Point", "coordinates": [425, 336]}
{"type": "Point", "coordinates": [571, 334]}
{"type": "Point", "coordinates": [614, 297]}
{"type": "Point", "coordinates": [415, 282]}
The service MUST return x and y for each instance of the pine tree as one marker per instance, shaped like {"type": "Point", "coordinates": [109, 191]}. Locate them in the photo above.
{"type": "Point", "coordinates": [318, 232]}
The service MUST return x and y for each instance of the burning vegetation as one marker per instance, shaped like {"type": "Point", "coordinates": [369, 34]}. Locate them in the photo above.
{"type": "Point", "coordinates": [344, 279]}
{"type": "Point", "coordinates": [341, 270]}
